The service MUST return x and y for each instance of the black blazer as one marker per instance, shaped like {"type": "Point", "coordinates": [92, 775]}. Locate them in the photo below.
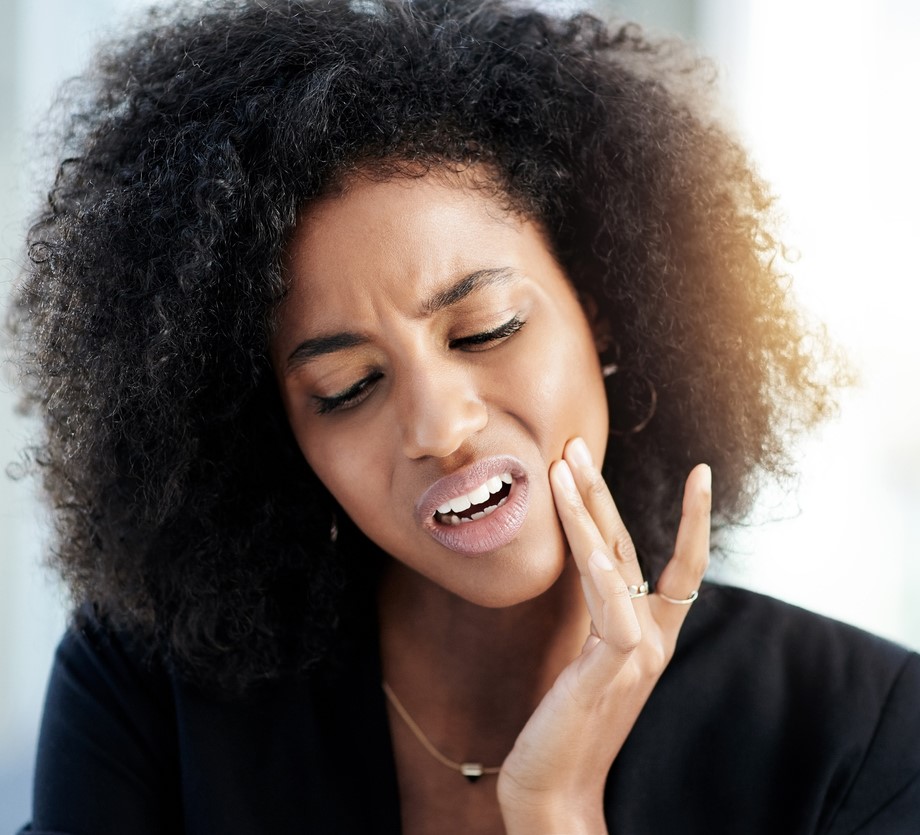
{"type": "Point", "coordinates": [769, 720]}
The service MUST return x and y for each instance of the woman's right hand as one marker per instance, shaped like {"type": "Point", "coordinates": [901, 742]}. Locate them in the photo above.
{"type": "Point", "coordinates": [553, 780]}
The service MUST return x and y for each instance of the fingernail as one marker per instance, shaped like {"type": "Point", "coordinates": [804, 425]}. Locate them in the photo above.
{"type": "Point", "coordinates": [600, 560]}
{"type": "Point", "coordinates": [706, 480]}
{"type": "Point", "coordinates": [564, 474]}
{"type": "Point", "coordinates": [580, 454]}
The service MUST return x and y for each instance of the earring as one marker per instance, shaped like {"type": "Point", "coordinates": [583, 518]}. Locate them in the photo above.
{"type": "Point", "coordinates": [628, 392]}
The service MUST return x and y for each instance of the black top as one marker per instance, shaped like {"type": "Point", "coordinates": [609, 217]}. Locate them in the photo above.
{"type": "Point", "coordinates": [768, 720]}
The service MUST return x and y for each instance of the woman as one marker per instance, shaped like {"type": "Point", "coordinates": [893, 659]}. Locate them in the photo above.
{"type": "Point", "coordinates": [342, 319]}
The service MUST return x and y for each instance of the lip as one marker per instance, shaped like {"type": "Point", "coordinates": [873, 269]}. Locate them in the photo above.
{"type": "Point", "coordinates": [490, 532]}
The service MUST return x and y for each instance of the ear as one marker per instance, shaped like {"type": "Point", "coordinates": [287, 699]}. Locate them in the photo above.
{"type": "Point", "coordinates": [600, 324]}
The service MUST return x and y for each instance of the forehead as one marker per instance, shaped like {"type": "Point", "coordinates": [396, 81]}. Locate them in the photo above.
{"type": "Point", "coordinates": [399, 240]}
{"type": "Point", "coordinates": [423, 207]}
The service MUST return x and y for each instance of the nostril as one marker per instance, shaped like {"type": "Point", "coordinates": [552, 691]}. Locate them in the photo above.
{"type": "Point", "coordinates": [442, 423]}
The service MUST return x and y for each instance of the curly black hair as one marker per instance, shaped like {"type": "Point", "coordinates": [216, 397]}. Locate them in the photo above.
{"type": "Point", "coordinates": [183, 506]}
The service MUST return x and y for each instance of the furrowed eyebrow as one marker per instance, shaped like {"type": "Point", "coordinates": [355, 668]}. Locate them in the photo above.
{"type": "Point", "coordinates": [466, 285]}
{"type": "Point", "coordinates": [311, 348]}
{"type": "Point", "coordinates": [320, 346]}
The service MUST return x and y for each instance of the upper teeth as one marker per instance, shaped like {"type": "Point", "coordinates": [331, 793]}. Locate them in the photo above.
{"type": "Point", "coordinates": [477, 496]}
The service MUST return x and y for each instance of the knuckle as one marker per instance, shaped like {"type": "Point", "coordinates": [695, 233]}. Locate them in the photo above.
{"type": "Point", "coordinates": [699, 564]}
{"type": "Point", "coordinates": [624, 548]}
{"type": "Point", "coordinates": [653, 660]}
{"type": "Point", "coordinates": [622, 637]}
{"type": "Point", "coordinates": [658, 658]}
{"type": "Point", "coordinates": [597, 487]}
{"type": "Point", "coordinates": [699, 511]}
{"type": "Point", "coordinates": [629, 639]}
{"type": "Point", "coordinates": [579, 512]}
{"type": "Point", "coordinates": [620, 591]}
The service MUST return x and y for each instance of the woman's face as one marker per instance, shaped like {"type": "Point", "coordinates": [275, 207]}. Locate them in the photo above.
{"type": "Point", "coordinates": [433, 360]}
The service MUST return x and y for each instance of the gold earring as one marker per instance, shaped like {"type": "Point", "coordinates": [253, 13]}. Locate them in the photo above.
{"type": "Point", "coordinates": [629, 392]}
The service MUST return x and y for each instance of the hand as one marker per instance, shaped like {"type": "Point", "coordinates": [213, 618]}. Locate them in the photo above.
{"type": "Point", "coordinates": [553, 779]}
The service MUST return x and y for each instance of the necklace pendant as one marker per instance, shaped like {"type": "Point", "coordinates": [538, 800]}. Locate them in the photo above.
{"type": "Point", "coordinates": [472, 771]}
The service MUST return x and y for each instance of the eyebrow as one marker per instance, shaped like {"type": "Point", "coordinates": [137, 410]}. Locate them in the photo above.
{"type": "Point", "coordinates": [320, 346]}
{"type": "Point", "coordinates": [466, 285]}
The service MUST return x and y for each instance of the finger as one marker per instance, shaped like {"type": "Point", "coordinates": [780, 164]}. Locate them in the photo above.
{"type": "Point", "coordinates": [602, 509]}
{"type": "Point", "coordinates": [616, 625]}
{"type": "Point", "coordinates": [597, 595]}
{"type": "Point", "coordinates": [592, 598]}
{"type": "Point", "coordinates": [581, 532]}
{"type": "Point", "coordinates": [684, 572]}
{"type": "Point", "coordinates": [580, 529]}
{"type": "Point", "coordinates": [585, 537]}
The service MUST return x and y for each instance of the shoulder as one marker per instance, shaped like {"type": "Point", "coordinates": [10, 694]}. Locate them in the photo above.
{"type": "Point", "coordinates": [108, 725]}
{"type": "Point", "coordinates": [96, 662]}
{"type": "Point", "coordinates": [170, 755]}
{"type": "Point", "coordinates": [748, 635]}
{"type": "Point", "coordinates": [773, 707]}
{"type": "Point", "coordinates": [782, 662]}
{"type": "Point", "coordinates": [778, 636]}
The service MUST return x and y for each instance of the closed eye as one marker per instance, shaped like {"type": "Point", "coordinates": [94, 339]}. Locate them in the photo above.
{"type": "Point", "coordinates": [478, 341]}
{"type": "Point", "coordinates": [348, 398]}
{"type": "Point", "coordinates": [356, 393]}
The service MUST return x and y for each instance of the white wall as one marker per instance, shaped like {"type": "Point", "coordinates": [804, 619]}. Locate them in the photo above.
{"type": "Point", "coordinates": [825, 95]}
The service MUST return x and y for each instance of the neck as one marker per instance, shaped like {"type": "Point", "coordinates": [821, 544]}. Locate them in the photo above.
{"type": "Point", "coordinates": [469, 675]}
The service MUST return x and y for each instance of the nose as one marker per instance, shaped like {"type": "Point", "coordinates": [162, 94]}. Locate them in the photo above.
{"type": "Point", "coordinates": [440, 409]}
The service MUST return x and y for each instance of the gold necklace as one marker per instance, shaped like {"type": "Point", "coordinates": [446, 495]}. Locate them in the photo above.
{"type": "Point", "coordinates": [472, 771]}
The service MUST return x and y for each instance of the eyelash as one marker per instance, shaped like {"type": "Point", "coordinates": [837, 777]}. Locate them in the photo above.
{"type": "Point", "coordinates": [511, 327]}
{"type": "Point", "coordinates": [354, 394]}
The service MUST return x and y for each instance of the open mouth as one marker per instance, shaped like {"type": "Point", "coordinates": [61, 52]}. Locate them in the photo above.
{"type": "Point", "coordinates": [477, 509]}
{"type": "Point", "coordinates": [476, 504]}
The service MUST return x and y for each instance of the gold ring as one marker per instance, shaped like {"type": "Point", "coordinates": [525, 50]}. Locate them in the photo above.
{"type": "Point", "coordinates": [685, 602]}
{"type": "Point", "coordinates": [641, 590]}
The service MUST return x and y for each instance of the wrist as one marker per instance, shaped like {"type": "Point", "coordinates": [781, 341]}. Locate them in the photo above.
{"type": "Point", "coordinates": [557, 821]}
{"type": "Point", "coordinates": [526, 813]}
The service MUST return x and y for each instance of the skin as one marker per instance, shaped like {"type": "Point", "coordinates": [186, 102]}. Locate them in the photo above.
{"type": "Point", "coordinates": [533, 647]}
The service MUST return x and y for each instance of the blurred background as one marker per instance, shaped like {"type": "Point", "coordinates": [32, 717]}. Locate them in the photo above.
{"type": "Point", "coordinates": [823, 92]}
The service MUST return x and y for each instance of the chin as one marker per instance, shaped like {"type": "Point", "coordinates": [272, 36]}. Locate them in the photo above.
{"type": "Point", "coordinates": [518, 583]}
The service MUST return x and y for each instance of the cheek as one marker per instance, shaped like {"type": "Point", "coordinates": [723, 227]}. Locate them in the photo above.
{"type": "Point", "coordinates": [564, 392]}
{"type": "Point", "coordinates": [593, 416]}
{"type": "Point", "coordinates": [350, 468]}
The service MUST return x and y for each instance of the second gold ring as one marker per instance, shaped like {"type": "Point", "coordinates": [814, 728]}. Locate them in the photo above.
{"type": "Point", "coordinates": [640, 590]}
